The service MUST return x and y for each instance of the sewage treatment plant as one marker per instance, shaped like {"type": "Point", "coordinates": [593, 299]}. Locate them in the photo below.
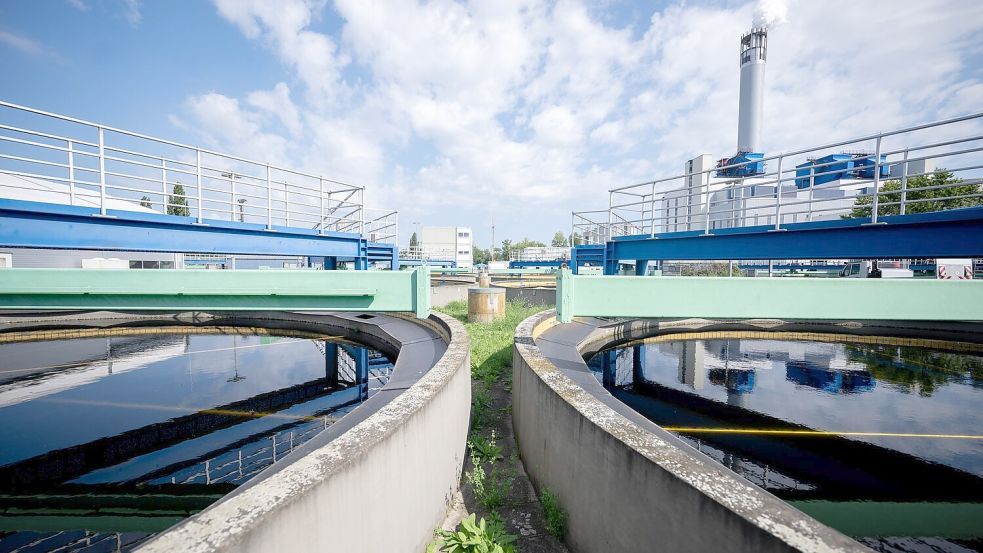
{"type": "Point", "coordinates": [204, 352]}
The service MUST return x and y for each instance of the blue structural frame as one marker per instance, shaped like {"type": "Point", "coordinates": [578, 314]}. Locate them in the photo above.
{"type": "Point", "coordinates": [956, 233]}
{"type": "Point", "coordinates": [528, 264]}
{"type": "Point", "coordinates": [26, 224]}
{"type": "Point", "coordinates": [444, 263]}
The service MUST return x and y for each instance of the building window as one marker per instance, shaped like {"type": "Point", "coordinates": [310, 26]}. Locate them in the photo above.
{"type": "Point", "coordinates": [462, 235]}
{"type": "Point", "coordinates": [137, 264]}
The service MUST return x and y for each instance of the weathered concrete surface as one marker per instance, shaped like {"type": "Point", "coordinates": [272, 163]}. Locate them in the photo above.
{"type": "Point", "coordinates": [440, 296]}
{"type": "Point", "coordinates": [627, 484]}
{"type": "Point", "coordinates": [383, 485]}
{"type": "Point", "coordinates": [532, 295]}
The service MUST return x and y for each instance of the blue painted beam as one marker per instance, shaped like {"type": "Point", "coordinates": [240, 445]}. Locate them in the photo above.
{"type": "Point", "coordinates": [43, 225]}
{"type": "Point", "coordinates": [954, 233]}
{"type": "Point", "coordinates": [525, 264]}
{"type": "Point", "coordinates": [792, 266]}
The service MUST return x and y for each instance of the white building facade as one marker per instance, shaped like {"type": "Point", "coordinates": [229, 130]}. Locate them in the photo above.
{"type": "Point", "coordinates": [458, 240]}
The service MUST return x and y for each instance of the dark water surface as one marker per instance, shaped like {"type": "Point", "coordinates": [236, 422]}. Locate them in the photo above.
{"type": "Point", "coordinates": [881, 441]}
{"type": "Point", "coordinates": [106, 440]}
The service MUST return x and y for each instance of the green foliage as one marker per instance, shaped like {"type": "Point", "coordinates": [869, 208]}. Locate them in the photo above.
{"type": "Point", "coordinates": [482, 413]}
{"type": "Point", "coordinates": [145, 202]}
{"type": "Point", "coordinates": [708, 269]}
{"type": "Point", "coordinates": [485, 449]}
{"type": "Point", "coordinates": [474, 537]}
{"type": "Point", "coordinates": [491, 489]}
{"type": "Point", "coordinates": [559, 239]}
{"type": "Point", "coordinates": [414, 241]}
{"type": "Point", "coordinates": [556, 517]}
{"type": "Point", "coordinates": [575, 239]}
{"type": "Point", "coordinates": [918, 200]}
{"type": "Point", "coordinates": [479, 255]}
{"type": "Point", "coordinates": [177, 203]}
{"type": "Point", "coordinates": [506, 249]}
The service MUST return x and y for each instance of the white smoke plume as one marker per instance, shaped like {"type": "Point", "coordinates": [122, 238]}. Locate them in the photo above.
{"type": "Point", "coordinates": [769, 13]}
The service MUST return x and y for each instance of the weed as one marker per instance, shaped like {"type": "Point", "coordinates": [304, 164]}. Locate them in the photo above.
{"type": "Point", "coordinates": [481, 411]}
{"type": "Point", "coordinates": [556, 517]}
{"type": "Point", "coordinates": [486, 449]}
{"type": "Point", "coordinates": [475, 537]}
{"type": "Point", "coordinates": [491, 489]}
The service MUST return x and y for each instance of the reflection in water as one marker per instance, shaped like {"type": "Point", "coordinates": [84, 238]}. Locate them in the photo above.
{"type": "Point", "coordinates": [106, 440]}
{"type": "Point", "coordinates": [909, 490]}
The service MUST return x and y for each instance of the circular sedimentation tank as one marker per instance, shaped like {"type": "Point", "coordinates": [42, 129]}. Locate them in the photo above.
{"type": "Point", "coordinates": [875, 436]}
{"type": "Point", "coordinates": [115, 426]}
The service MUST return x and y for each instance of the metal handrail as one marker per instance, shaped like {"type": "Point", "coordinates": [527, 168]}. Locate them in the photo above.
{"type": "Point", "coordinates": [216, 185]}
{"type": "Point", "coordinates": [786, 191]}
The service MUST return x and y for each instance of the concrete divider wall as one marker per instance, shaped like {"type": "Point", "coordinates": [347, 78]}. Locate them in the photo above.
{"type": "Point", "coordinates": [382, 486]}
{"type": "Point", "coordinates": [627, 488]}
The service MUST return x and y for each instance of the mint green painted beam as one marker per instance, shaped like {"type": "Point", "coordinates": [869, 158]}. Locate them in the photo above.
{"type": "Point", "coordinates": [125, 289]}
{"type": "Point", "coordinates": [778, 298]}
{"type": "Point", "coordinates": [449, 270]}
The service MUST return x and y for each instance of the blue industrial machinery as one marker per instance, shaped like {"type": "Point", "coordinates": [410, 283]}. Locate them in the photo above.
{"type": "Point", "coordinates": [744, 164]}
{"type": "Point", "coordinates": [834, 167]}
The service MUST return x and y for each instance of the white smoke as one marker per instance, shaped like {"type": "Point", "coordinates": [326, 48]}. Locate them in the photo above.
{"type": "Point", "coordinates": [769, 13]}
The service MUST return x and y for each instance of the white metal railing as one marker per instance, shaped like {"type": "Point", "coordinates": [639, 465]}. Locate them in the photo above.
{"type": "Point", "coordinates": [58, 159]}
{"type": "Point", "coordinates": [427, 253]}
{"type": "Point", "coordinates": [548, 253]}
{"type": "Point", "coordinates": [805, 185]}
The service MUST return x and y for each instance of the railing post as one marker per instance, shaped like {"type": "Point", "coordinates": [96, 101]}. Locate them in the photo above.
{"type": "Point", "coordinates": [163, 184]}
{"type": "Point", "coordinates": [102, 172]}
{"type": "Point", "coordinates": [812, 188]}
{"type": "Point", "coordinates": [361, 213]}
{"type": "Point", "coordinates": [71, 173]}
{"type": "Point", "coordinates": [778, 196]}
{"type": "Point", "coordinates": [706, 218]}
{"type": "Point", "coordinates": [269, 200]}
{"type": "Point", "coordinates": [286, 204]}
{"type": "Point", "coordinates": [320, 196]}
{"type": "Point", "coordinates": [652, 210]}
{"type": "Point", "coordinates": [877, 179]}
{"type": "Point", "coordinates": [201, 202]}
{"type": "Point", "coordinates": [904, 183]}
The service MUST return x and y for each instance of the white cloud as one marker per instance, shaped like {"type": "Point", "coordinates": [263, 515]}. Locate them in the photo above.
{"type": "Point", "coordinates": [22, 43]}
{"type": "Point", "coordinates": [79, 5]}
{"type": "Point", "coordinates": [450, 110]}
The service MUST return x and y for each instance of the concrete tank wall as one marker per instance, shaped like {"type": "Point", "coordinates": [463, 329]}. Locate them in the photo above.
{"type": "Point", "coordinates": [383, 485]}
{"type": "Point", "coordinates": [628, 487]}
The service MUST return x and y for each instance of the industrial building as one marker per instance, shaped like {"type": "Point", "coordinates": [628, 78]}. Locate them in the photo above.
{"type": "Point", "coordinates": [458, 240]}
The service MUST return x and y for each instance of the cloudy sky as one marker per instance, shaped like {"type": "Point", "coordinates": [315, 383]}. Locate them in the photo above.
{"type": "Point", "coordinates": [457, 112]}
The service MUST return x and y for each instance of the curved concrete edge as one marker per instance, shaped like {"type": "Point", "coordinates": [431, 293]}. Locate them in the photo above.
{"type": "Point", "coordinates": [383, 485]}
{"type": "Point", "coordinates": [630, 486]}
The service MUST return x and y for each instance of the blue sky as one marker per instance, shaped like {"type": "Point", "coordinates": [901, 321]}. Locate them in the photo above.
{"type": "Point", "coordinates": [454, 112]}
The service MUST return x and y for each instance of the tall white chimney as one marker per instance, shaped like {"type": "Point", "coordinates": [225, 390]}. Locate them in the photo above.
{"type": "Point", "coordinates": [754, 52]}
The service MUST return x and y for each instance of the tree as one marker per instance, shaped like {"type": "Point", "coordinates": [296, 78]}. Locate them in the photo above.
{"type": "Point", "coordinates": [145, 202]}
{"type": "Point", "coordinates": [414, 242]}
{"type": "Point", "coordinates": [506, 249]}
{"type": "Point", "coordinates": [479, 255]}
{"type": "Point", "coordinates": [177, 203]}
{"type": "Point", "coordinates": [576, 239]}
{"type": "Point", "coordinates": [918, 200]}
{"type": "Point", "coordinates": [559, 240]}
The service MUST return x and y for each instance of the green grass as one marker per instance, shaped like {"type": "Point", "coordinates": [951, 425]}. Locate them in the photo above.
{"type": "Point", "coordinates": [556, 517]}
{"type": "Point", "coordinates": [491, 343]}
